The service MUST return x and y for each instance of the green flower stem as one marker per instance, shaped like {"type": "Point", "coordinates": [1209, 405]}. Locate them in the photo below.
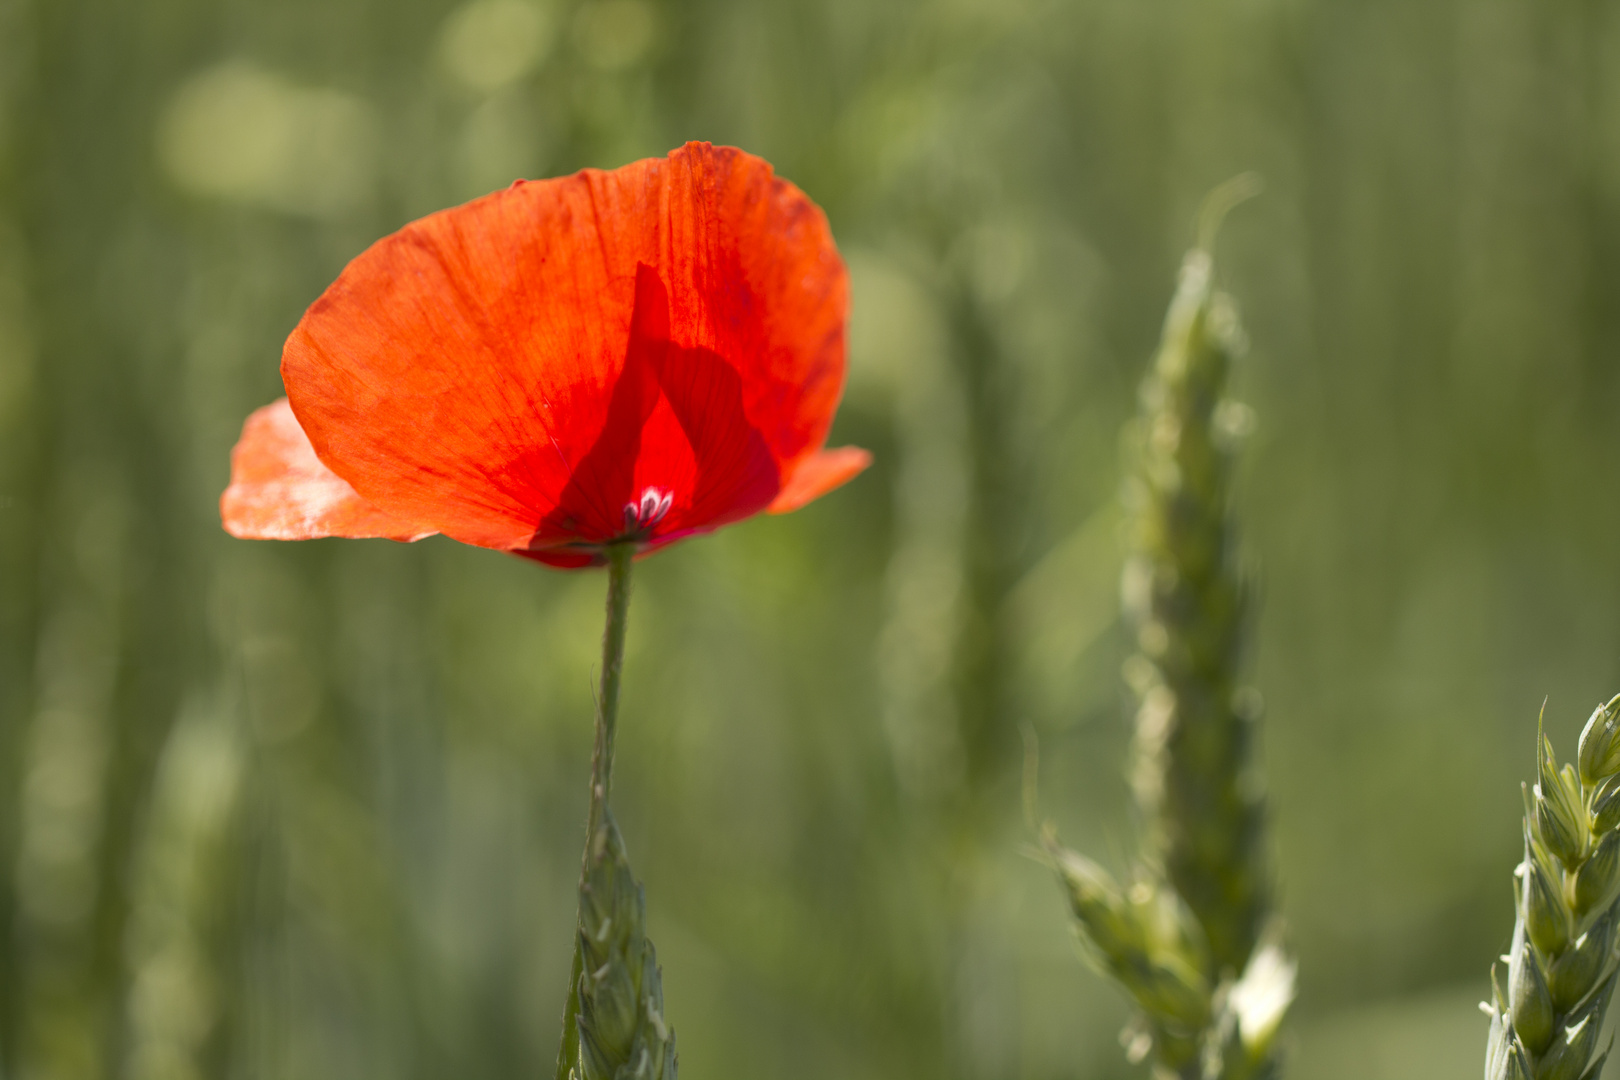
{"type": "Point", "coordinates": [607, 724]}
{"type": "Point", "coordinates": [607, 707]}
{"type": "Point", "coordinates": [613, 1027]}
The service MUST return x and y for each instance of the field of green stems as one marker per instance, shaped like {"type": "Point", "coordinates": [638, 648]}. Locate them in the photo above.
{"type": "Point", "coordinates": [315, 811]}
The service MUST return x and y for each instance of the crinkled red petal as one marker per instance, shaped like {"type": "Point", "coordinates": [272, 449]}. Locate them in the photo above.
{"type": "Point", "coordinates": [513, 372]}
{"type": "Point", "coordinates": [818, 474]}
{"type": "Point", "coordinates": [280, 490]}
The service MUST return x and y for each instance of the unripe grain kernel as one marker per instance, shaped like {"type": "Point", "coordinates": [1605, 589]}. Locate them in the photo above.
{"type": "Point", "coordinates": [1572, 1049]}
{"type": "Point", "coordinates": [1598, 877]}
{"type": "Point", "coordinates": [1575, 972]}
{"type": "Point", "coordinates": [1529, 1002]}
{"type": "Point", "coordinates": [1545, 917]}
{"type": "Point", "coordinates": [1606, 806]}
{"type": "Point", "coordinates": [1557, 826]}
{"type": "Point", "coordinates": [1600, 743]}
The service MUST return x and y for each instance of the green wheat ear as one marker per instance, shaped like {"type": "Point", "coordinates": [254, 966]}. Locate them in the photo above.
{"type": "Point", "coordinates": [1191, 939]}
{"type": "Point", "coordinates": [1186, 599]}
{"type": "Point", "coordinates": [622, 1031]}
{"type": "Point", "coordinates": [1561, 968]}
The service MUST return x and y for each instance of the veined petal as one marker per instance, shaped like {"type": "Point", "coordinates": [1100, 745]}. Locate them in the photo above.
{"type": "Point", "coordinates": [515, 371]}
{"type": "Point", "coordinates": [280, 490]}
{"type": "Point", "coordinates": [818, 474]}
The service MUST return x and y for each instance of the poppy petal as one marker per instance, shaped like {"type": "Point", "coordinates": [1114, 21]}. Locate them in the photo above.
{"type": "Point", "coordinates": [819, 474]}
{"type": "Point", "coordinates": [280, 490]}
{"type": "Point", "coordinates": [515, 371]}
{"type": "Point", "coordinates": [564, 558]}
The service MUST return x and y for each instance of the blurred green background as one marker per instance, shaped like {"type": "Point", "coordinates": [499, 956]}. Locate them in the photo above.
{"type": "Point", "coordinates": [314, 811]}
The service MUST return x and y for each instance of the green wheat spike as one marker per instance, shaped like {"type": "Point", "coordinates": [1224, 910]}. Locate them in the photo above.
{"type": "Point", "coordinates": [1147, 943]}
{"type": "Point", "coordinates": [622, 1031]}
{"type": "Point", "coordinates": [1186, 601]}
{"type": "Point", "coordinates": [1192, 939]}
{"type": "Point", "coordinates": [1561, 967]}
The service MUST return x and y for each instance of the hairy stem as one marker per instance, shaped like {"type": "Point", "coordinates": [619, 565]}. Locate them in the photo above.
{"type": "Point", "coordinates": [607, 722]}
{"type": "Point", "coordinates": [607, 705]}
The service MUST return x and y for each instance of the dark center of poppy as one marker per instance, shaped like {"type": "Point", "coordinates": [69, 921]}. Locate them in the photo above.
{"type": "Point", "coordinates": [649, 510]}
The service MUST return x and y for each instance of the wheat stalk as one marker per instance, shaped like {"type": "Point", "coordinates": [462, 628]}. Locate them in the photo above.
{"type": "Point", "coordinates": [1185, 938]}
{"type": "Point", "coordinates": [1561, 968]}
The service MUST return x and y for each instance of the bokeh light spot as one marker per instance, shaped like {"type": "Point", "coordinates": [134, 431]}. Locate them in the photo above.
{"type": "Point", "coordinates": [615, 34]}
{"type": "Point", "coordinates": [491, 44]}
{"type": "Point", "coordinates": [244, 134]}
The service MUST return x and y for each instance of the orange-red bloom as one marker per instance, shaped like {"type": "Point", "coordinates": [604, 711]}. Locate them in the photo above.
{"type": "Point", "coordinates": [645, 353]}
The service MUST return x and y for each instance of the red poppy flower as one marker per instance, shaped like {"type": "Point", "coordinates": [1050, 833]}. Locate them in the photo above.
{"type": "Point", "coordinates": [642, 354]}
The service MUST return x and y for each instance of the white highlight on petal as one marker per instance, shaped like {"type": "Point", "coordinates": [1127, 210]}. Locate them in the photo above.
{"type": "Point", "coordinates": [309, 494]}
{"type": "Point", "coordinates": [280, 489]}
